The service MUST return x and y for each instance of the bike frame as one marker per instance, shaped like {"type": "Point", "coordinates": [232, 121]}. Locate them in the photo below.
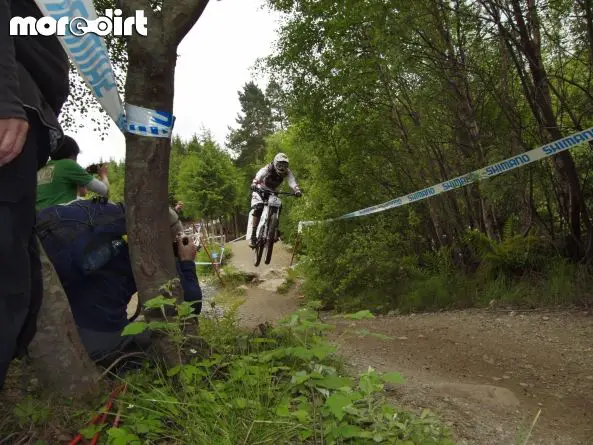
{"type": "Point", "coordinates": [272, 205]}
{"type": "Point", "coordinates": [272, 202]}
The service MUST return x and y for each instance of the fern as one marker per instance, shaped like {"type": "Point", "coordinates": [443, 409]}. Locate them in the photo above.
{"type": "Point", "coordinates": [514, 256]}
{"type": "Point", "coordinates": [478, 242]}
{"type": "Point", "coordinates": [508, 231]}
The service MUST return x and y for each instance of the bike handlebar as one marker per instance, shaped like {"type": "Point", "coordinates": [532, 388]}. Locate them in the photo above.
{"type": "Point", "coordinates": [271, 192]}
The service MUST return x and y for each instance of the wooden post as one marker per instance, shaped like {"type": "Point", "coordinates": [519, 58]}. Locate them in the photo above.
{"type": "Point", "coordinates": [294, 249]}
{"type": "Point", "coordinates": [211, 260]}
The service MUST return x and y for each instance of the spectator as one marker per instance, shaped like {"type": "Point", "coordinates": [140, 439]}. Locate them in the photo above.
{"type": "Point", "coordinates": [33, 88]}
{"type": "Point", "coordinates": [99, 298]}
{"type": "Point", "coordinates": [62, 179]}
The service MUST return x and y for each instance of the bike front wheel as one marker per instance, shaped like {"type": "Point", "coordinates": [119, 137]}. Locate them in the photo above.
{"type": "Point", "coordinates": [271, 238]}
{"type": "Point", "coordinates": [258, 250]}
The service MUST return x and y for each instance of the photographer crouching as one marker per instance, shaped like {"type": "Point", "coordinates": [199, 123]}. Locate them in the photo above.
{"type": "Point", "coordinates": [83, 240]}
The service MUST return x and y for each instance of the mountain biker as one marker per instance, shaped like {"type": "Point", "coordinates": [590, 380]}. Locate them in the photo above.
{"type": "Point", "coordinates": [268, 178]}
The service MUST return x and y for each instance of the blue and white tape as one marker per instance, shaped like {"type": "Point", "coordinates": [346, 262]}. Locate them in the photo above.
{"type": "Point", "coordinates": [89, 54]}
{"type": "Point", "coordinates": [507, 165]}
{"type": "Point", "coordinates": [145, 122]}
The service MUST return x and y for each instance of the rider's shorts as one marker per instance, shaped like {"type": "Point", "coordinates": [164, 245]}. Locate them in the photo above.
{"type": "Point", "coordinates": [257, 204]}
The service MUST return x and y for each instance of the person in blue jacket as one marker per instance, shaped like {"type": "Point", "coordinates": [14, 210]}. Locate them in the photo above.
{"type": "Point", "coordinates": [99, 298]}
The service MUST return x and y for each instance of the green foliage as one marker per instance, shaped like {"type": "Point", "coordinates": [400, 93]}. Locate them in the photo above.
{"type": "Point", "coordinates": [41, 417]}
{"type": "Point", "coordinates": [174, 327]}
{"type": "Point", "coordinates": [216, 249]}
{"type": "Point", "coordinates": [200, 174]}
{"type": "Point", "coordinates": [364, 271]}
{"type": "Point", "coordinates": [515, 256]}
{"type": "Point", "coordinates": [206, 180]}
{"type": "Point", "coordinates": [284, 387]}
{"type": "Point", "coordinates": [286, 286]}
{"type": "Point", "coordinates": [383, 99]}
{"type": "Point", "coordinates": [29, 411]}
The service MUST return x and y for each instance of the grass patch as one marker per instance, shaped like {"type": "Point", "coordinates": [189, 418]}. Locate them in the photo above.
{"type": "Point", "coordinates": [286, 286]}
{"type": "Point", "coordinates": [31, 415]}
{"type": "Point", "coordinates": [292, 277]}
{"type": "Point", "coordinates": [558, 284]}
{"type": "Point", "coordinates": [561, 284]}
{"type": "Point", "coordinates": [373, 269]}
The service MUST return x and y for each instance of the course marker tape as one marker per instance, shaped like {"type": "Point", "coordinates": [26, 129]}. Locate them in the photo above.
{"type": "Point", "coordinates": [498, 168]}
{"type": "Point", "coordinates": [91, 58]}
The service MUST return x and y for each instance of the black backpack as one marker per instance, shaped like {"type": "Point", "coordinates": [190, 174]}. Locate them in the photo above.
{"type": "Point", "coordinates": [71, 232]}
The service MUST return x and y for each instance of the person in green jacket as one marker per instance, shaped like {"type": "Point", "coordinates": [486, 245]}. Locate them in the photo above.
{"type": "Point", "coordinates": [63, 179]}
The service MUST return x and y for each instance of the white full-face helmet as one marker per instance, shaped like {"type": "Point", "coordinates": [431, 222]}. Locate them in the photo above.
{"type": "Point", "coordinates": [281, 163]}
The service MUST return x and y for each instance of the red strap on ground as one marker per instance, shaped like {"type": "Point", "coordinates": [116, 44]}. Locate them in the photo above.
{"type": "Point", "coordinates": [102, 417]}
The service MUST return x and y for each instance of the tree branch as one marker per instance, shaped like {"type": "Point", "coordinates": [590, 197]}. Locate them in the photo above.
{"type": "Point", "coordinates": [179, 16]}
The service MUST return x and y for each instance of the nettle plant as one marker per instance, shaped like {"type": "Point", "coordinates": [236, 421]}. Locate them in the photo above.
{"type": "Point", "coordinates": [176, 316]}
{"type": "Point", "coordinates": [338, 409]}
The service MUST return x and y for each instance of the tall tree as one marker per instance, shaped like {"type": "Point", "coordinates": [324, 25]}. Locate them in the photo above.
{"type": "Point", "coordinates": [208, 182]}
{"type": "Point", "coordinates": [58, 357]}
{"type": "Point", "coordinates": [277, 100]}
{"type": "Point", "coordinates": [255, 124]}
{"type": "Point", "coordinates": [149, 63]}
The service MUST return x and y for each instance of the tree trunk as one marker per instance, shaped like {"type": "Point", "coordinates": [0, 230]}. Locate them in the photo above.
{"type": "Point", "coordinates": [456, 78]}
{"type": "Point", "coordinates": [563, 162]}
{"type": "Point", "coordinates": [537, 94]}
{"type": "Point", "coordinates": [587, 6]}
{"type": "Point", "coordinates": [58, 358]}
{"type": "Point", "coordinates": [235, 225]}
{"type": "Point", "coordinates": [150, 84]}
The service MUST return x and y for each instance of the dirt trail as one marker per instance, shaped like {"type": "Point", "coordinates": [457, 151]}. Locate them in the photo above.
{"type": "Point", "coordinates": [486, 373]}
{"type": "Point", "coordinates": [242, 258]}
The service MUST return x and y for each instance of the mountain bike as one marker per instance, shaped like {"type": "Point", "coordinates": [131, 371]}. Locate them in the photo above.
{"type": "Point", "coordinates": [267, 229]}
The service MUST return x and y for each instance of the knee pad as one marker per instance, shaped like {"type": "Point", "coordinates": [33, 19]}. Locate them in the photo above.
{"type": "Point", "coordinates": [258, 209]}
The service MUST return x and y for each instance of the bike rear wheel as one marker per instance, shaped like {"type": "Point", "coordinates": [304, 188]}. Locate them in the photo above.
{"type": "Point", "coordinates": [271, 237]}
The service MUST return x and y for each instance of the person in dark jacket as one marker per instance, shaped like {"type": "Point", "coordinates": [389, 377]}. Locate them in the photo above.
{"type": "Point", "coordinates": [33, 88]}
{"type": "Point", "coordinates": [99, 300]}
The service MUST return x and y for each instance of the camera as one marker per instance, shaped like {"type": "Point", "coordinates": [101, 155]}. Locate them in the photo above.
{"type": "Point", "coordinates": [93, 169]}
{"type": "Point", "coordinates": [184, 240]}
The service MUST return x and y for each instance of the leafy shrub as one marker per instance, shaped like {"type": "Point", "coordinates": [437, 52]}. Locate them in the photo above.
{"type": "Point", "coordinates": [373, 267]}
{"type": "Point", "coordinates": [284, 387]}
